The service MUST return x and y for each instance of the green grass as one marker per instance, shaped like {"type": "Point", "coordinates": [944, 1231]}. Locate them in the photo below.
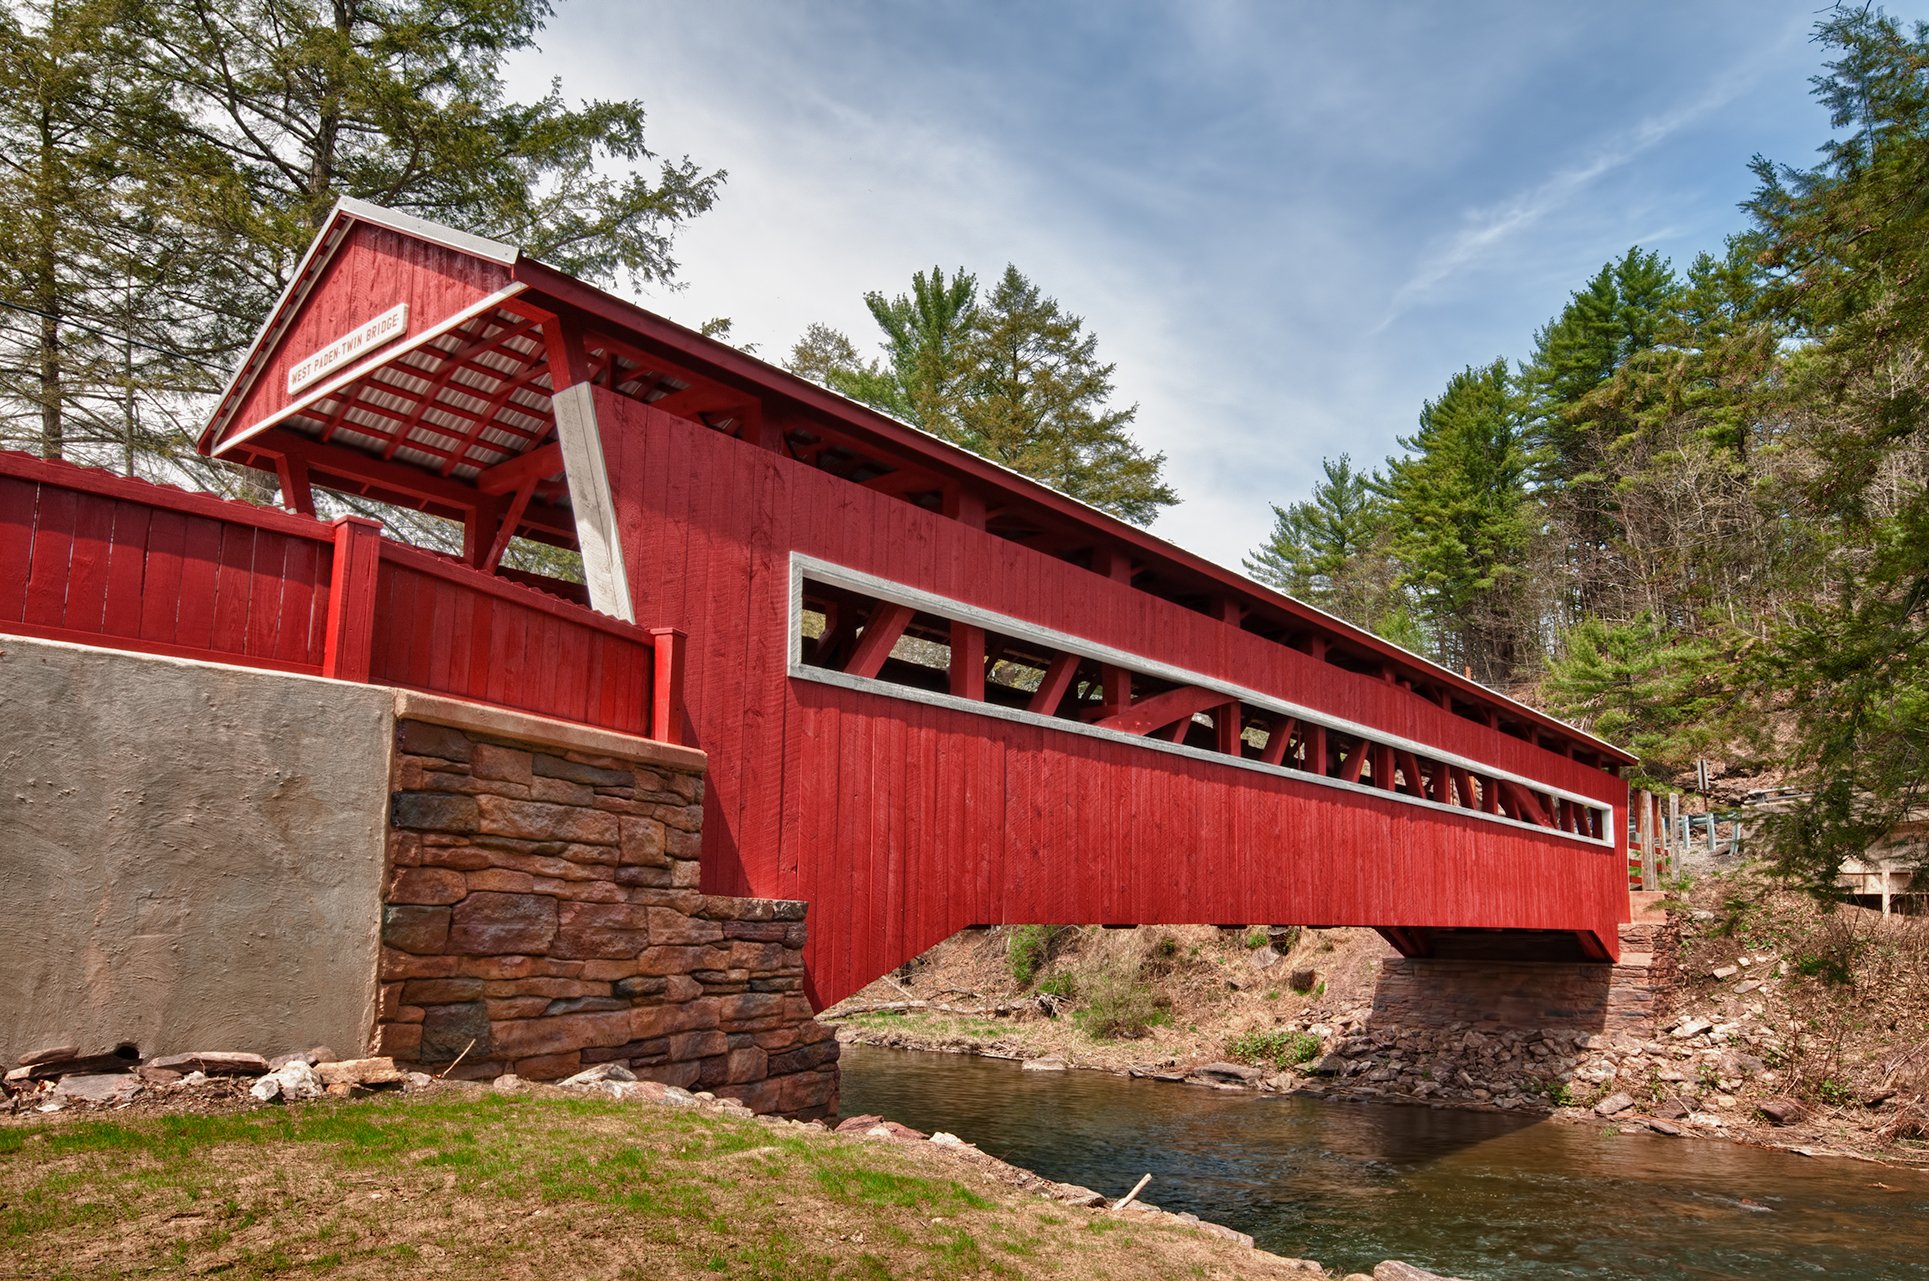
{"type": "Point", "coordinates": [1276, 1047]}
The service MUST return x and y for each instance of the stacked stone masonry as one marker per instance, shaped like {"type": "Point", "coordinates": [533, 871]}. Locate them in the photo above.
{"type": "Point", "coordinates": [1628, 997]}
{"type": "Point", "coordinates": [541, 916]}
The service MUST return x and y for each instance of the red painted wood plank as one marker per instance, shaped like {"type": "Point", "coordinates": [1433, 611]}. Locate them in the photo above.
{"type": "Point", "coordinates": [47, 580]}
{"type": "Point", "coordinates": [126, 568]}
{"type": "Point", "coordinates": [233, 590]}
{"type": "Point", "coordinates": [19, 500]}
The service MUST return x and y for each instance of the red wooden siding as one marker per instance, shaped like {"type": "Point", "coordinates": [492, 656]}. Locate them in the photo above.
{"type": "Point", "coordinates": [903, 822]}
{"type": "Point", "coordinates": [101, 560]}
{"type": "Point", "coordinates": [373, 271]}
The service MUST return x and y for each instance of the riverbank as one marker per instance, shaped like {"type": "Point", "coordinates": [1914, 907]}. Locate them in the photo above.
{"type": "Point", "coordinates": [1785, 1026]}
{"type": "Point", "coordinates": [458, 1179]}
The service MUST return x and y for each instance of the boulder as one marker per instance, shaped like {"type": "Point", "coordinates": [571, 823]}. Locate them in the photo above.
{"type": "Point", "coordinates": [1225, 1074]}
{"type": "Point", "coordinates": [1044, 1065]}
{"type": "Point", "coordinates": [1613, 1104]}
{"type": "Point", "coordinates": [1394, 1270]}
{"type": "Point", "coordinates": [213, 1063]}
{"type": "Point", "coordinates": [1782, 1111]}
{"type": "Point", "coordinates": [1660, 1126]}
{"type": "Point", "coordinates": [49, 1054]}
{"type": "Point", "coordinates": [292, 1082]}
{"type": "Point", "coordinates": [345, 1075]}
{"type": "Point", "coordinates": [590, 1078]}
{"type": "Point", "coordinates": [509, 1083]}
{"type": "Point", "coordinates": [102, 1088]}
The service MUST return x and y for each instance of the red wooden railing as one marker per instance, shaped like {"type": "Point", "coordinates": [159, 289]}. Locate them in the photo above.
{"type": "Point", "coordinates": [91, 557]}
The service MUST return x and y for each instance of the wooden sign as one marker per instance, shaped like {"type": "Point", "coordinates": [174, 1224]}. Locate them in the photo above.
{"type": "Point", "coordinates": [392, 323]}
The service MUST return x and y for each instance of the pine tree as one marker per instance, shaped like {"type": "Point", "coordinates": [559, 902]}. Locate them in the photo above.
{"type": "Point", "coordinates": [1010, 377]}
{"type": "Point", "coordinates": [1846, 248]}
{"type": "Point", "coordinates": [1458, 519]}
{"type": "Point", "coordinates": [1037, 402]}
{"type": "Point", "coordinates": [167, 161]}
{"type": "Point", "coordinates": [1330, 550]}
{"type": "Point", "coordinates": [97, 160]}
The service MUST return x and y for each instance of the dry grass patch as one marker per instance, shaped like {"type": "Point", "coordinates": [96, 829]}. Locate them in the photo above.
{"type": "Point", "coordinates": [482, 1185]}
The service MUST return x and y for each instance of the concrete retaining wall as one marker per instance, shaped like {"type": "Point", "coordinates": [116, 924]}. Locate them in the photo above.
{"type": "Point", "coordinates": [190, 855]}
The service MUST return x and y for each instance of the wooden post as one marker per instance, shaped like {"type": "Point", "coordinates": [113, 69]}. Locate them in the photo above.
{"type": "Point", "coordinates": [1647, 839]}
{"type": "Point", "coordinates": [348, 649]}
{"type": "Point", "coordinates": [666, 685]}
{"type": "Point", "coordinates": [967, 661]}
{"type": "Point", "coordinates": [1676, 838]}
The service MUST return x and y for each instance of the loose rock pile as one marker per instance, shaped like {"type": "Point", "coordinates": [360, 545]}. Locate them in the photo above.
{"type": "Point", "coordinates": [58, 1077]}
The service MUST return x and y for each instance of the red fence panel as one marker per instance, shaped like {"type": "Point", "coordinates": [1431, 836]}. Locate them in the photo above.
{"type": "Point", "coordinates": [444, 628]}
{"type": "Point", "coordinates": [99, 559]}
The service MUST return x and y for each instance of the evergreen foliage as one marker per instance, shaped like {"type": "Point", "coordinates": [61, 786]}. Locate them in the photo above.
{"type": "Point", "coordinates": [173, 158]}
{"type": "Point", "coordinates": [1010, 376]}
{"type": "Point", "coordinates": [1697, 518]}
{"type": "Point", "coordinates": [1458, 519]}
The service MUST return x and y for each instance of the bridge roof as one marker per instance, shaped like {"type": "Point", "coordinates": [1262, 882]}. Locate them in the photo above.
{"type": "Point", "coordinates": [409, 363]}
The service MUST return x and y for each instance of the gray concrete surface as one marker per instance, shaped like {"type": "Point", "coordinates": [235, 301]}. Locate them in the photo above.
{"type": "Point", "coordinates": [190, 855]}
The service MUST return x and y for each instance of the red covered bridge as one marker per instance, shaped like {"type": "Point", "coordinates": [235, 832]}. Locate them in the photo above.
{"type": "Point", "coordinates": [933, 693]}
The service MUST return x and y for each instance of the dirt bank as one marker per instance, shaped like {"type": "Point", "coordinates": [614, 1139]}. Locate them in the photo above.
{"type": "Point", "coordinates": [1787, 1026]}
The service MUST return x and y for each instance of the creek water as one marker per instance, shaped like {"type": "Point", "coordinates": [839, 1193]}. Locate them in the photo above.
{"type": "Point", "coordinates": [1468, 1194]}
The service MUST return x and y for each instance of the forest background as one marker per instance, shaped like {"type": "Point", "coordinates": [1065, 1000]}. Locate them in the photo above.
{"type": "Point", "coordinates": [1690, 513]}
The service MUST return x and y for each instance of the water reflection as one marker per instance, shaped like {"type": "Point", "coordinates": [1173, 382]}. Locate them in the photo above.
{"type": "Point", "coordinates": [1476, 1195]}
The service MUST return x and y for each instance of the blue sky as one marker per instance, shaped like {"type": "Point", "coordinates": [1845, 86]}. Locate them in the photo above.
{"type": "Point", "coordinates": [1288, 224]}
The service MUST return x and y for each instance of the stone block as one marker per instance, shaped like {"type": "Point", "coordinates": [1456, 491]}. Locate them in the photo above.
{"type": "Point", "coordinates": [427, 886]}
{"type": "Point", "coordinates": [551, 1067]}
{"type": "Point", "coordinates": [550, 987]}
{"type": "Point", "coordinates": [681, 987]}
{"type": "Point", "coordinates": [686, 873]}
{"type": "Point", "coordinates": [461, 858]}
{"type": "Point", "coordinates": [757, 931]}
{"type": "Point", "coordinates": [503, 764]}
{"type": "Point", "coordinates": [643, 877]}
{"type": "Point", "coordinates": [439, 811]}
{"type": "Point", "coordinates": [804, 1058]}
{"type": "Point", "coordinates": [567, 1033]}
{"type": "Point", "coordinates": [745, 1065]}
{"type": "Point", "coordinates": [686, 1046]}
{"type": "Point", "coordinates": [577, 772]}
{"type": "Point", "coordinates": [557, 791]}
{"type": "Point", "coordinates": [536, 820]}
{"type": "Point", "coordinates": [448, 1030]}
{"type": "Point", "coordinates": [640, 986]}
{"type": "Point", "coordinates": [751, 1006]}
{"type": "Point", "coordinates": [673, 928]}
{"type": "Point", "coordinates": [676, 960]}
{"type": "Point", "coordinates": [649, 1021]}
{"type": "Point", "coordinates": [586, 1005]}
{"type": "Point", "coordinates": [519, 969]}
{"type": "Point", "coordinates": [642, 842]}
{"type": "Point", "coordinates": [606, 931]}
{"type": "Point", "coordinates": [441, 991]}
{"type": "Point", "coordinates": [682, 844]}
{"type": "Point", "coordinates": [505, 1008]}
{"type": "Point", "coordinates": [423, 931]}
{"type": "Point", "coordinates": [395, 965]}
{"type": "Point", "coordinates": [487, 924]}
{"type": "Point", "coordinates": [420, 738]}
{"type": "Point", "coordinates": [682, 1075]}
{"type": "Point", "coordinates": [399, 1040]}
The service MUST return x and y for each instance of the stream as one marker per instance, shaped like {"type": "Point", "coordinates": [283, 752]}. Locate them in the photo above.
{"type": "Point", "coordinates": [1469, 1194]}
